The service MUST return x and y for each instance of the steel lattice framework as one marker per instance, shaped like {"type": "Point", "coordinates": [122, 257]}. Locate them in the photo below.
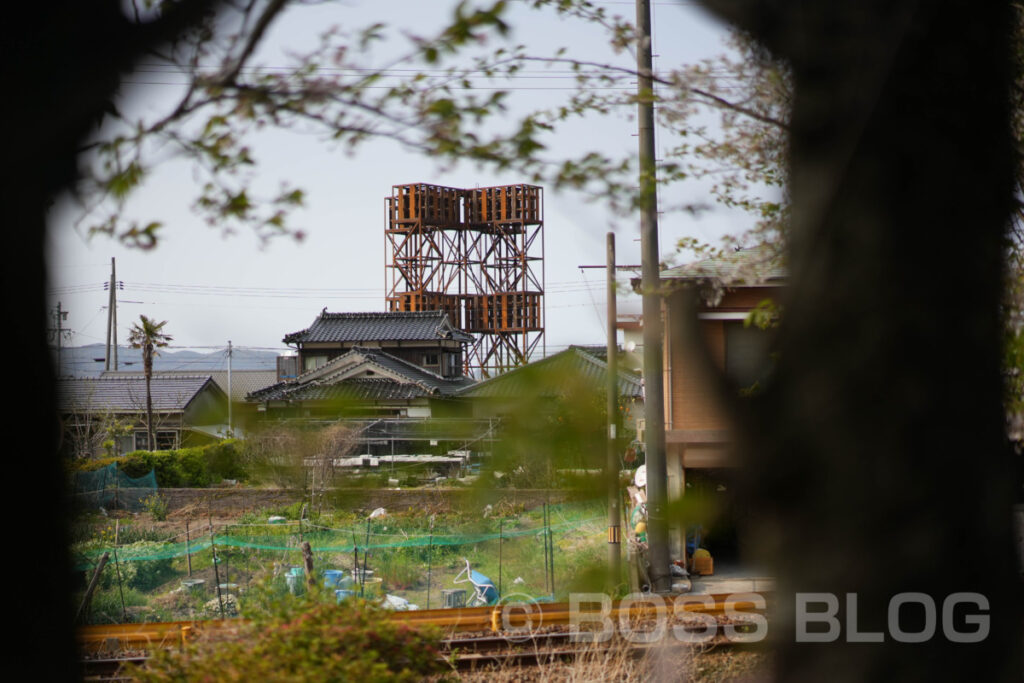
{"type": "Point", "coordinates": [477, 255]}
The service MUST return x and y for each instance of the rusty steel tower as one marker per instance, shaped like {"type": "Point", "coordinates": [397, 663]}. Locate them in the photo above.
{"type": "Point", "coordinates": [477, 255]}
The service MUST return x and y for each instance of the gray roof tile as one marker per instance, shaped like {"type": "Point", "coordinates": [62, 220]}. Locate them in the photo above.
{"type": "Point", "coordinates": [365, 327]}
{"type": "Point", "coordinates": [128, 394]}
{"type": "Point", "coordinates": [547, 377]}
{"type": "Point", "coordinates": [243, 382]}
{"type": "Point", "coordinates": [413, 381]}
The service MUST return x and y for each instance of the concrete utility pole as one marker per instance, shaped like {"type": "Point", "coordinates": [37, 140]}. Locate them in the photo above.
{"type": "Point", "coordinates": [230, 428]}
{"type": "Point", "coordinates": [59, 331]}
{"type": "Point", "coordinates": [111, 318]}
{"type": "Point", "coordinates": [654, 397]}
{"type": "Point", "coordinates": [614, 513]}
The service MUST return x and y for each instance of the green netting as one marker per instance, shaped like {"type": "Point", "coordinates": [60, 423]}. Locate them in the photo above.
{"type": "Point", "coordinates": [109, 487]}
{"type": "Point", "coordinates": [288, 538]}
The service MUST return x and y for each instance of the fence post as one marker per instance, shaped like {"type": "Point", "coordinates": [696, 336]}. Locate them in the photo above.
{"type": "Point", "coordinates": [84, 607]}
{"type": "Point", "coordinates": [216, 570]}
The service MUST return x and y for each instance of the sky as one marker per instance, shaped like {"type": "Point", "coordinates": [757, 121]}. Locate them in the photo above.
{"type": "Point", "coordinates": [211, 287]}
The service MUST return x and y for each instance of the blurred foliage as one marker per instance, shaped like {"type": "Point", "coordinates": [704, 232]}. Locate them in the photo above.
{"type": "Point", "coordinates": [307, 639]}
{"type": "Point", "coordinates": [198, 467]}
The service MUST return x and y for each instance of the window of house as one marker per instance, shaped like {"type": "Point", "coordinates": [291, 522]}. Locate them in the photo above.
{"type": "Point", "coordinates": [747, 354]}
{"type": "Point", "coordinates": [166, 440]}
{"type": "Point", "coordinates": [313, 362]}
{"type": "Point", "coordinates": [430, 359]}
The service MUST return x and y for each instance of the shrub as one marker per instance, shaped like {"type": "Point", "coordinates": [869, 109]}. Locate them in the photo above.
{"type": "Point", "coordinates": [199, 467]}
{"type": "Point", "coordinates": [156, 506]}
{"type": "Point", "coordinates": [310, 641]}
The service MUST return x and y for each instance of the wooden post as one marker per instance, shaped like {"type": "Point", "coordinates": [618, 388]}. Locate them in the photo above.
{"type": "Point", "coordinates": [501, 527]}
{"type": "Point", "coordinates": [93, 582]}
{"type": "Point", "coordinates": [216, 570]}
{"type": "Point", "coordinates": [307, 560]}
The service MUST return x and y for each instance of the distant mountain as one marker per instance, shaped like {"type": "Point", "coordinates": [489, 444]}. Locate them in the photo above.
{"type": "Point", "coordinates": [87, 361]}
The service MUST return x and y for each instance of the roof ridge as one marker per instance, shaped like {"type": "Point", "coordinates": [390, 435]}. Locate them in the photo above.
{"type": "Point", "coordinates": [380, 314]}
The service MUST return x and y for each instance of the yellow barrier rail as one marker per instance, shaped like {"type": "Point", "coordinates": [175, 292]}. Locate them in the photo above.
{"type": "Point", "coordinates": [173, 634]}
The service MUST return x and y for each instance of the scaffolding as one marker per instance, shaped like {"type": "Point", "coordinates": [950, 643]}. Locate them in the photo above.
{"type": "Point", "coordinates": [477, 255]}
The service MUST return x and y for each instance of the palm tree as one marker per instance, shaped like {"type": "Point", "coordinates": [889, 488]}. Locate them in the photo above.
{"type": "Point", "coordinates": [148, 335]}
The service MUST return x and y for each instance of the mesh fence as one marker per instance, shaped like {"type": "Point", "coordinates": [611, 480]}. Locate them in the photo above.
{"type": "Point", "coordinates": [109, 487]}
{"type": "Point", "coordinates": [530, 555]}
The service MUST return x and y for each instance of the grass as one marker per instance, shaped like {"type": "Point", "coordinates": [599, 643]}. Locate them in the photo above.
{"type": "Point", "coordinates": [667, 662]}
{"type": "Point", "coordinates": [516, 563]}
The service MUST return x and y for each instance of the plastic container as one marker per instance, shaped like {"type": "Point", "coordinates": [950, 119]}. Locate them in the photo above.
{"type": "Point", "coordinates": [343, 594]}
{"type": "Point", "coordinates": [370, 588]}
{"type": "Point", "coordinates": [332, 577]}
{"type": "Point", "coordinates": [294, 583]}
{"type": "Point", "coordinates": [193, 584]}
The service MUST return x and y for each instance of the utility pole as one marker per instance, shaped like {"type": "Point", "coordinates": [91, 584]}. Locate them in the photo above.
{"type": "Point", "coordinates": [614, 513]}
{"type": "Point", "coordinates": [654, 396]}
{"type": "Point", "coordinates": [58, 333]}
{"type": "Point", "coordinates": [112, 287]}
{"type": "Point", "coordinates": [230, 428]}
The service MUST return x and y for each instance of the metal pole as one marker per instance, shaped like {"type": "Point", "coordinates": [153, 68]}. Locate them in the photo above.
{"type": "Point", "coordinates": [188, 548]}
{"type": "Point", "coordinates": [614, 514]}
{"type": "Point", "coordinates": [654, 399]}
{"type": "Point", "coordinates": [117, 567]}
{"type": "Point", "coordinates": [430, 557]}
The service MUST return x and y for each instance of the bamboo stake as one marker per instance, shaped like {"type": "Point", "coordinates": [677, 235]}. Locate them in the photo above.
{"type": "Point", "coordinates": [93, 582]}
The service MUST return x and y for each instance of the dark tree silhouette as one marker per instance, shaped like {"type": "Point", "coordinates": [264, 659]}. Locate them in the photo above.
{"type": "Point", "coordinates": [881, 465]}
{"type": "Point", "coordinates": [877, 460]}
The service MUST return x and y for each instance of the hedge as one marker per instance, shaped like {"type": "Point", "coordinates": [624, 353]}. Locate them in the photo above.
{"type": "Point", "coordinates": [197, 467]}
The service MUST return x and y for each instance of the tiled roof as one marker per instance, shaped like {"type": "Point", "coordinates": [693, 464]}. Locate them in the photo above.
{"type": "Point", "coordinates": [128, 394]}
{"type": "Point", "coordinates": [243, 382]}
{"type": "Point", "coordinates": [365, 327]}
{"type": "Point", "coordinates": [547, 377]}
{"type": "Point", "coordinates": [362, 388]}
{"type": "Point", "coordinates": [744, 266]}
{"type": "Point", "coordinates": [401, 379]}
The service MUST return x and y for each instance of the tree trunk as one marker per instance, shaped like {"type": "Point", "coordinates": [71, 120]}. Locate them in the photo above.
{"type": "Point", "coordinates": [147, 361]}
{"type": "Point", "coordinates": [876, 460]}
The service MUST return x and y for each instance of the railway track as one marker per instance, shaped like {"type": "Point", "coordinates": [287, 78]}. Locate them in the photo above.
{"type": "Point", "coordinates": [477, 636]}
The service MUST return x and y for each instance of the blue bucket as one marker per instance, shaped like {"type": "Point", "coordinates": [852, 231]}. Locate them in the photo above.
{"type": "Point", "coordinates": [343, 594]}
{"type": "Point", "coordinates": [332, 577]}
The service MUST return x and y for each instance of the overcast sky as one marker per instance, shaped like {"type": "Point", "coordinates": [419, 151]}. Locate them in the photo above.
{"type": "Point", "coordinates": [211, 287]}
